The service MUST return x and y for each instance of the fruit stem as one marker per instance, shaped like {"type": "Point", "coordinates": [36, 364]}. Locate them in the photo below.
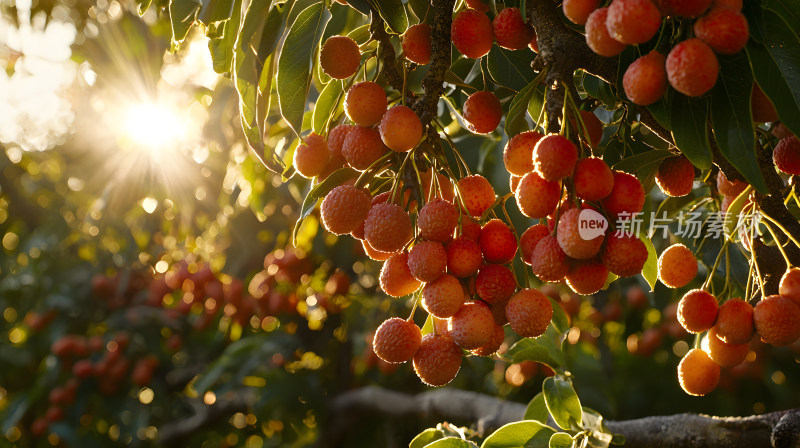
{"type": "Point", "coordinates": [455, 150]}
{"type": "Point", "coordinates": [723, 250]}
{"type": "Point", "coordinates": [780, 246]}
{"type": "Point", "coordinates": [758, 276]}
{"type": "Point", "coordinates": [371, 167]}
{"type": "Point", "coordinates": [414, 308]}
{"type": "Point", "coordinates": [783, 229]}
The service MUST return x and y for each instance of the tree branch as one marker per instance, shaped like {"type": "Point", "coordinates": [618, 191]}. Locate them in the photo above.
{"type": "Point", "coordinates": [386, 52]}
{"type": "Point", "coordinates": [433, 83]}
{"type": "Point", "coordinates": [175, 433]}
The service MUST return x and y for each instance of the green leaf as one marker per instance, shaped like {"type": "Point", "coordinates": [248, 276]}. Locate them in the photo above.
{"type": "Point", "coordinates": [511, 69]}
{"type": "Point", "coordinates": [361, 6]}
{"type": "Point", "coordinates": [335, 179]}
{"type": "Point", "coordinates": [789, 10]}
{"type": "Point", "coordinates": [661, 110]}
{"type": "Point", "coordinates": [597, 88]}
{"type": "Point", "coordinates": [426, 437]}
{"type": "Point", "coordinates": [215, 11]}
{"type": "Point", "coordinates": [325, 107]}
{"type": "Point", "coordinates": [230, 358]}
{"type": "Point", "coordinates": [536, 104]}
{"type": "Point", "coordinates": [562, 401]}
{"type": "Point", "coordinates": [526, 433]}
{"type": "Point", "coordinates": [734, 208]}
{"type": "Point", "coordinates": [295, 62]}
{"type": "Point", "coordinates": [560, 320]}
{"type": "Point", "coordinates": [450, 442]}
{"type": "Point", "coordinates": [222, 48]}
{"type": "Point", "coordinates": [143, 5]}
{"type": "Point", "coordinates": [420, 9]}
{"type": "Point", "coordinates": [427, 327]}
{"type": "Point", "coordinates": [689, 119]}
{"type": "Point", "coordinates": [537, 409]}
{"type": "Point", "coordinates": [560, 440]}
{"type": "Point", "coordinates": [776, 67]}
{"type": "Point", "coordinates": [393, 13]}
{"type": "Point", "coordinates": [182, 14]}
{"type": "Point", "coordinates": [650, 269]}
{"type": "Point", "coordinates": [515, 120]}
{"type": "Point", "coordinates": [545, 349]}
{"type": "Point", "coordinates": [732, 118]}
{"type": "Point", "coordinates": [642, 161]}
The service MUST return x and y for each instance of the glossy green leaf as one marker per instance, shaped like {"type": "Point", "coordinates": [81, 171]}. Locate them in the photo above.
{"type": "Point", "coordinates": [182, 14]}
{"type": "Point", "coordinates": [511, 69]}
{"type": "Point", "coordinates": [536, 104]}
{"type": "Point", "coordinates": [637, 162]}
{"type": "Point", "coordinates": [562, 401]}
{"type": "Point", "coordinates": [325, 107]}
{"type": "Point", "coordinates": [426, 437]}
{"type": "Point", "coordinates": [222, 48]}
{"type": "Point", "coordinates": [597, 88]}
{"type": "Point", "coordinates": [561, 440]}
{"type": "Point", "coordinates": [361, 6]}
{"type": "Point", "coordinates": [689, 119]}
{"type": "Point", "coordinates": [789, 10]}
{"type": "Point", "coordinates": [215, 11]}
{"type": "Point", "coordinates": [393, 13]}
{"type": "Point", "coordinates": [560, 320]}
{"type": "Point", "coordinates": [450, 442]}
{"type": "Point", "coordinates": [526, 433]}
{"type": "Point", "coordinates": [515, 120]}
{"type": "Point", "coordinates": [734, 208]}
{"type": "Point", "coordinates": [662, 109]}
{"type": "Point", "coordinates": [650, 269]}
{"type": "Point", "coordinates": [732, 118]}
{"type": "Point", "coordinates": [421, 9]}
{"type": "Point", "coordinates": [319, 191]}
{"type": "Point", "coordinates": [545, 349]}
{"type": "Point", "coordinates": [537, 409]}
{"type": "Point", "coordinates": [427, 327]}
{"type": "Point", "coordinates": [295, 62]}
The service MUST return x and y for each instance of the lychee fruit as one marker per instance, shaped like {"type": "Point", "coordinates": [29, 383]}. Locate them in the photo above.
{"type": "Point", "coordinates": [472, 34]}
{"type": "Point", "coordinates": [497, 241]}
{"type": "Point", "coordinates": [443, 297]}
{"type": "Point", "coordinates": [570, 239]}
{"type": "Point", "coordinates": [417, 43]}
{"type": "Point", "coordinates": [684, 8]}
{"type": "Point", "coordinates": [365, 103]}
{"type": "Point", "coordinates": [344, 209]}
{"type": "Point", "coordinates": [482, 112]}
{"type": "Point", "coordinates": [396, 279]}
{"type": "Point", "coordinates": [723, 29]}
{"type": "Point", "coordinates": [633, 21]}
{"type": "Point", "coordinates": [470, 228]}
{"type": "Point", "coordinates": [692, 67]}
{"type": "Point", "coordinates": [587, 276]}
{"type": "Point", "coordinates": [336, 138]}
{"type": "Point", "coordinates": [723, 353]}
{"type": "Point", "coordinates": [593, 179]}
{"type": "Point", "coordinates": [427, 260]}
{"type": "Point", "coordinates": [698, 374]}
{"type": "Point", "coordinates": [777, 320]}
{"type": "Point", "coordinates": [549, 262]}
{"type": "Point", "coordinates": [578, 10]}
{"type": "Point", "coordinates": [728, 188]}
{"type": "Point", "coordinates": [762, 107]}
{"type": "Point", "coordinates": [477, 194]}
{"type": "Point", "coordinates": [675, 176]}
{"type": "Point", "coordinates": [362, 147]}
{"type": "Point", "coordinates": [697, 311]}
{"type": "Point", "coordinates": [518, 152]}
{"type": "Point", "coordinates": [787, 155]}
{"type": "Point", "coordinates": [626, 197]}
{"type": "Point", "coordinates": [495, 283]}
{"type": "Point", "coordinates": [593, 132]}
{"type": "Point", "coordinates": [374, 254]}
{"type": "Point", "coordinates": [443, 187]}
{"type": "Point", "coordinates": [529, 239]}
{"type": "Point", "coordinates": [677, 266]}
{"type": "Point", "coordinates": [735, 4]}
{"type": "Point", "coordinates": [339, 57]}
{"type": "Point", "coordinates": [624, 255]}
{"type": "Point", "coordinates": [493, 345]}
{"type": "Point", "coordinates": [529, 313]}
{"type": "Point", "coordinates": [597, 36]}
{"type": "Point", "coordinates": [554, 157]}
{"type": "Point", "coordinates": [537, 197]}
{"type": "Point", "coordinates": [400, 128]}
{"type": "Point", "coordinates": [464, 257]}
{"type": "Point", "coordinates": [472, 325]}
{"type": "Point", "coordinates": [387, 227]}
{"type": "Point", "coordinates": [645, 80]}
{"type": "Point", "coordinates": [790, 285]}
{"type": "Point", "coordinates": [437, 220]}
{"type": "Point", "coordinates": [438, 359]}
{"type": "Point", "coordinates": [396, 340]}
{"type": "Point", "coordinates": [510, 31]}
{"type": "Point", "coordinates": [734, 323]}
{"type": "Point", "coordinates": [311, 156]}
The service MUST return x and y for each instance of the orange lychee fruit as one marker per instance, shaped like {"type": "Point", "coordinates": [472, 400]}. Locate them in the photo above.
{"type": "Point", "coordinates": [587, 276]}
{"type": "Point", "coordinates": [339, 57]}
{"type": "Point", "coordinates": [725, 354]}
{"type": "Point", "coordinates": [311, 156]}
{"type": "Point", "coordinates": [624, 255]}
{"type": "Point", "coordinates": [477, 194]}
{"type": "Point", "coordinates": [598, 37]}
{"type": "Point", "coordinates": [570, 239]}
{"type": "Point", "coordinates": [593, 179]}
{"type": "Point", "coordinates": [518, 152]}
{"type": "Point", "coordinates": [396, 279]}
{"type": "Point", "coordinates": [633, 21]}
{"type": "Point", "coordinates": [675, 176]}
{"type": "Point", "coordinates": [645, 80]}
{"type": "Point", "coordinates": [549, 262]}
{"type": "Point", "coordinates": [777, 320]}
{"type": "Point", "coordinates": [472, 325]}
{"type": "Point", "coordinates": [443, 297]}
{"type": "Point", "coordinates": [734, 323]}
{"type": "Point", "coordinates": [344, 209]}
{"type": "Point", "coordinates": [482, 112]}
{"type": "Point", "coordinates": [400, 128]}
{"type": "Point", "coordinates": [493, 345]}
{"type": "Point", "coordinates": [790, 285]}
{"type": "Point", "coordinates": [437, 220]}
{"type": "Point", "coordinates": [787, 155]}
{"type": "Point", "coordinates": [495, 283]}
{"type": "Point", "coordinates": [626, 197]}
{"type": "Point", "coordinates": [365, 103]}
{"type": "Point", "coordinates": [396, 340]}
{"type": "Point", "coordinates": [362, 147]}
{"type": "Point", "coordinates": [554, 157]}
{"type": "Point", "coordinates": [728, 188]}
{"type": "Point", "coordinates": [677, 266]}
{"type": "Point", "coordinates": [427, 260]}
{"type": "Point", "coordinates": [724, 29]}
{"type": "Point", "coordinates": [438, 359]}
{"type": "Point", "coordinates": [529, 313]}
{"type": "Point", "coordinates": [537, 197]}
{"type": "Point", "coordinates": [697, 311]}
{"type": "Point", "coordinates": [698, 374]}
{"type": "Point", "coordinates": [510, 31]}
{"type": "Point", "coordinates": [464, 257]}
{"type": "Point", "coordinates": [692, 67]}
{"type": "Point", "coordinates": [417, 43]}
{"type": "Point", "coordinates": [387, 227]}
{"type": "Point", "coordinates": [578, 10]}
{"type": "Point", "coordinates": [498, 242]}
{"type": "Point", "coordinates": [471, 33]}
{"type": "Point", "coordinates": [529, 239]}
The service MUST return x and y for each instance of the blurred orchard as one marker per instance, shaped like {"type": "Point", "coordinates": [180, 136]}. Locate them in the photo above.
{"type": "Point", "coordinates": [177, 269]}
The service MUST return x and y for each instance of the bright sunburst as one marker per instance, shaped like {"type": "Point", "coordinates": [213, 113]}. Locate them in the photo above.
{"type": "Point", "coordinates": [155, 126]}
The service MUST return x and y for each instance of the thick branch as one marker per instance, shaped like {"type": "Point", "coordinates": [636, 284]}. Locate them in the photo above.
{"type": "Point", "coordinates": [433, 83]}
{"type": "Point", "coordinates": [175, 433]}
{"type": "Point", "coordinates": [386, 52]}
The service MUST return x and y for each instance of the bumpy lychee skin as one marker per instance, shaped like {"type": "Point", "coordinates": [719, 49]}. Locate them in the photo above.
{"type": "Point", "coordinates": [344, 208]}
{"type": "Point", "coordinates": [529, 239]}
{"type": "Point", "coordinates": [336, 139]}
{"type": "Point", "coordinates": [675, 176]}
{"type": "Point", "coordinates": [734, 323]}
{"type": "Point", "coordinates": [477, 194]}
{"type": "Point", "coordinates": [365, 103]}
{"type": "Point", "coordinates": [728, 188]}
{"type": "Point", "coordinates": [464, 257]}
{"type": "Point", "coordinates": [427, 260]}
{"type": "Point", "coordinates": [518, 152]}
{"type": "Point", "coordinates": [470, 228]}
{"type": "Point", "coordinates": [396, 279]}
{"type": "Point", "coordinates": [491, 347]}
{"type": "Point", "coordinates": [724, 29]}
{"type": "Point", "coordinates": [578, 10]}
{"type": "Point", "coordinates": [554, 157]}
{"type": "Point", "coordinates": [593, 133]}
{"type": "Point", "coordinates": [400, 128]}
{"type": "Point", "coordinates": [587, 276]}
{"type": "Point", "coordinates": [627, 196]}
{"type": "Point", "coordinates": [677, 266]}
{"type": "Point", "coordinates": [571, 241]}
{"type": "Point", "coordinates": [777, 320]}
{"type": "Point", "coordinates": [472, 34]}
{"type": "Point", "coordinates": [597, 36]}
{"type": "Point", "coordinates": [387, 227]}
{"type": "Point", "coordinates": [624, 255]}
{"type": "Point", "coordinates": [311, 156]}
{"type": "Point", "coordinates": [692, 67]}
{"type": "Point", "coordinates": [645, 80]}
{"type": "Point", "coordinates": [529, 313]}
{"type": "Point", "coordinates": [495, 283]}
{"type": "Point", "coordinates": [437, 220]}
{"type": "Point", "coordinates": [763, 109]}
{"type": "Point", "coordinates": [362, 147]}
{"type": "Point", "coordinates": [684, 8]}
{"type": "Point", "coordinates": [593, 179]}
{"type": "Point", "coordinates": [790, 285]}
{"type": "Point", "coordinates": [482, 112]}
{"type": "Point", "coordinates": [698, 374]}
{"type": "Point", "coordinates": [417, 43]}
{"type": "Point", "coordinates": [396, 340]}
{"type": "Point", "coordinates": [787, 155]}
{"type": "Point", "coordinates": [472, 325]}
{"type": "Point", "coordinates": [437, 360]}
{"type": "Point", "coordinates": [536, 197]}
{"type": "Point", "coordinates": [510, 31]}
{"type": "Point", "coordinates": [723, 353]}
{"type": "Point", "coordinates": [697, 311]}
{"type": "Point", "coordinates": [497, 241]}
{"type": "Point", "coordinates": [549, 262]}
{"type": "Point", "coordinates": [633, 21]}
{"type": "Point", "coordinates": [443, 297]}
{"type": "Point", "coordinates": [339, 57]}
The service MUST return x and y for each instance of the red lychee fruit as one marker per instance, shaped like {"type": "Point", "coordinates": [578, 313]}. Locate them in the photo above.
{"type": "Point", "coordinates": [336, 139]}
{"type": "Point", "coordinates": [692, 67]}
{"type": "Point", "coordinates": [362, 147]}
{"type": "Point", "coordinates": [734, 323]}
{"type": "Point", "coordinates": [597, 36]}
{"type": "Point", "coordinates": [675, 176]}
{"type": "Point", "coordinates": [477, 194]}
{"type": "Point", "coordinates": [777, 320]}
{"type": "Point", "coordinates": [536, 197]}
{"type": "Point", "coordinates": [495, 283]}
{"type": "Point", "coordinates": [593, 179]}
{"type": "Point", "coordinates": [728, 188]}
{"type": "Point", "coordinates": [344, 209]}
{"type": "Point", "coordinates": [735, 4]}
{"type": "Point", "coordinates": [787, 155]}
{"type": "Point", "coordinates": [529, 313]}
{"type": "Point", "coordinates": [578, 10]}
{"type": "Point", "coordinates": [311, 156]}
{"type": "Point", "coordinates": [437, 220]}
{"type": "Point", "coordinates": [339, 57]}
{"type": "Point", "coordinates": [529, 239]}
{"type": "Point", "coordinates": [470, 228]}
{"type": "Point", "coordinates": [697, 311]}
{"type": "Point", "coordinates": [633, 21]}
{"type": "Point", "coordinates": [400, 128]}
{"type": "Point", "coordinates": [593, 132]}
{"type": "Point", "coordinates": [790, 285]}
{"type": "Point", "coordinates": [698, 374]}
{"type": "Point", "coordinates": [464, 257]}
{"type": "Point", "coordinates": [491, 347]}
{"type": "Point", "coordinates": [780, 131]}
{"type": "Point", "coordinates": [482, 112]}
{"type": "Point", "coordinates": [645, 80]}
{"type": "Point", "coordinates": [624, 255]}
{"type": "Point", "coordinates": [497, 241]}
{"type": "Point", "coordinates": [677, 266]}
{"type": "Point", "coordinates": [626, 197]}
{"type": "Point", "coordinates": [587, 276]}
{"type": "Point", "coordinates": [387, 227]}
{"type": "Point", "coordinates": [374, 254]}
{"type": "Point", "coordinates": [549, 262]}
{"type": "Point", "coordinates": [510, 31]}
{"type": "Point", "coordinates": [570, 239]}
{"type": "Point", "coordinates": [396, 340]}
{"type": "Point", "coordinates": [518, 152]}
{"type": "Point", "coordinates": [443, 297]}
{"type": "Point", "coordinates": [724, 29]}
{"type": "Point", "coordinates": [554, 157]}
{"type": "Point", "coordinates": [417, 43]}
{"type": "Point", "coordinates": [365, 103]}
{"type": "Point", "coordinates": [763, 109]}
{"type": "Point", "coordinates": [472, 325]}
{"type": "Point", "coordinates": [725, 354]}
{"type": "Point", "coordinates": [437, 360]}
{"type": "Point", "coordinates": [427, 260]}
{"type": "Point", "coordinates": [684, 8]}
{"type": "Point", "coordinates": [396, 279]}
{"type": "Point", "coordinates": [472, 34]}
